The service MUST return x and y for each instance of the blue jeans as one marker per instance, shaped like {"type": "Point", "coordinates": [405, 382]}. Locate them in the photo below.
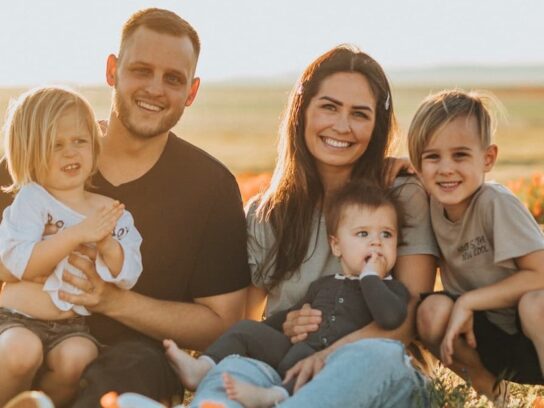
{"type": "Point", "coordinates": [367, 373]}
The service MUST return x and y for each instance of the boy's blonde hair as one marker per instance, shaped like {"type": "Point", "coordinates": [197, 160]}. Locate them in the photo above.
{"type": "Point", "coordinates": [441, 108]}
{"type": "Point", "coordinates": [31, 127]}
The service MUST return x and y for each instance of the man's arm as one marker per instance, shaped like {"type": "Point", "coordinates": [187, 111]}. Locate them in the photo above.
{"type": "Point", "coordinates": [256, 302]}
{"type": "Point", "coordinates": [207, 318]}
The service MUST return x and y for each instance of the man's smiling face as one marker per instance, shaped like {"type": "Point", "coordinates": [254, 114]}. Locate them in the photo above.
{"type": "Point", "coordinates": [154, 81]}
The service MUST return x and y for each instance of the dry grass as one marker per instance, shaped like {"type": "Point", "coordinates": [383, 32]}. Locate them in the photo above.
{"type": "Point", "coordinates": [238, 124]}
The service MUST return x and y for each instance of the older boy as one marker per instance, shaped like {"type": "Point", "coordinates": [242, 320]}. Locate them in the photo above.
{"type": "Point", "coordinates": [487, 324]}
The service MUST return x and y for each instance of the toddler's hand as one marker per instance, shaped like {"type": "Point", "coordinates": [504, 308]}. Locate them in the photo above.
{"type": "Point", "coordinates": [101, 223]}
{"type": "Point", "coordinates": [376, 263]}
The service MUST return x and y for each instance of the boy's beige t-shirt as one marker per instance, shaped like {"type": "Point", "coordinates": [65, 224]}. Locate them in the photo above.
{"type": "Point", "coordinates": [417, 235]}
{"type": "Point", "coordinates": [479, 250]}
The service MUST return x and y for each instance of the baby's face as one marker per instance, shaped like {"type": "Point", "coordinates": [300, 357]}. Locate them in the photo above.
{"type": "Point", "coordinates": [363, 231]}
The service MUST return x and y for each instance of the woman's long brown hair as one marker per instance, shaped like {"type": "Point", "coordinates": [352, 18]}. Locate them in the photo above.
{"type": "Point", "coordinates": [296, 191]}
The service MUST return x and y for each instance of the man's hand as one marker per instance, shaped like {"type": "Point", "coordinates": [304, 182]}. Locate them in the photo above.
{"type": "Point", "coordinates": [299, 323]}
{"type": "Point", "coordinates": [100, 224]}
{"type": "Point", "coordinates": [461, 323]}
{"type": "Point", "coordinates": [96, 294]}
{"type": "Point", "coordinates": [306, 369]}
{"type": "Point", "coordinates": [395, 166]}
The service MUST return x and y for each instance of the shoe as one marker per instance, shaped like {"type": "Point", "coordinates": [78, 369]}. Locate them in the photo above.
{"type": "Point", "coordinates": [502, 396]}
{"type": "Point", "coordinates": [30, 399]}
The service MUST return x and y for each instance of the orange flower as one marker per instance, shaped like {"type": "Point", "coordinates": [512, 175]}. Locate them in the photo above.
{"type": "Point", "coordinates": [530, 190]}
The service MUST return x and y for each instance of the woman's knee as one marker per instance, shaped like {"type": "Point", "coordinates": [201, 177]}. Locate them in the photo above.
{"type": "Point", "coordinates": [531, 311]}
{"type": "Point", "coordinates": [21, 352]}
{"type": "Point", "coordinates": [69, 358]}
{"type": "Point", "coordinates": [432, 318]}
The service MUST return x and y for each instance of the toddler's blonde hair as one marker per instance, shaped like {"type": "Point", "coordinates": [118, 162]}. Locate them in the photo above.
{"type": "Point", "coordinates": [30, 130]}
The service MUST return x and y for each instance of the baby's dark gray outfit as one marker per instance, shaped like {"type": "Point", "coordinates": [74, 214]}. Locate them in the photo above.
{"type": "Point", "coordinates": [346, 305]}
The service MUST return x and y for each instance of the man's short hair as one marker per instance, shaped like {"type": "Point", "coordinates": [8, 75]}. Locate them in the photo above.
{"type": "Point", "coordinates": [161, 21]}
{"type": "Point", "coordinates": [441, 108]}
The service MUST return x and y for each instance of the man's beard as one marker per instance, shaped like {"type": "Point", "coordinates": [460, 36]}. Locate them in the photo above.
{"type": "Point", "coordinates": [122, 110]}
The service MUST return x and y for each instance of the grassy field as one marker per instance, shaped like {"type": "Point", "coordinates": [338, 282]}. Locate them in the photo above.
{"type": "Point", "coordinates": [238, 124]}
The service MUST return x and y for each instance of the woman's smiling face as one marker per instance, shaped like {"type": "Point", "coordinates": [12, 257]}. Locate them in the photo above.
{"type": "Point", "coordinates": [340, 120]}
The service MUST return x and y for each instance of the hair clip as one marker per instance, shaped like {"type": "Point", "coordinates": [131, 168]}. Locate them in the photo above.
{"type": "Point", "coordinates": [300, 89]}
{"type": "Point", "coordinates": [387, 101]}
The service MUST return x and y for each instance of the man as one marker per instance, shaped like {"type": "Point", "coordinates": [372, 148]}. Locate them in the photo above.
{"type": "Point", "coordinates": [186, 206]}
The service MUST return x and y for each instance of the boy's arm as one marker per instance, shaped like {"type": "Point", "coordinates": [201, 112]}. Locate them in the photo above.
{"type": "Point", "coordinates": [503, 294]}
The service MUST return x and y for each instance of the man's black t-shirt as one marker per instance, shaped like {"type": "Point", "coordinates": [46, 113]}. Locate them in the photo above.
{"type": "Point", "coordinates": [187, 208]}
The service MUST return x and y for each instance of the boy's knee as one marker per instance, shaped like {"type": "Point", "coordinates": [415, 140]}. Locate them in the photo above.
{"type": "Point", "coordinates": [432, 318]}
{"type": "Point", "coordinates": [531, 309]}
{"type": "Point", "coordinates": [21, 352]}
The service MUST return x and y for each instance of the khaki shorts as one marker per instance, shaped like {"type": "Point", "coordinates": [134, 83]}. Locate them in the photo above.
{"type": "Point", "coordinates": [50, 332]}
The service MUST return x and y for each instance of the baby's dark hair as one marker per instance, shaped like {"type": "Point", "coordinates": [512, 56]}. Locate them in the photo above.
{"type": "Point", "coordinates": [362, 195]}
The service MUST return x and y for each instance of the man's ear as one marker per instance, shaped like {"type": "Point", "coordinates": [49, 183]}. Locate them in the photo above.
{"type": "Point", "coordinates": [333, 241]}
{"type": "Point", "coordinates": [111, 67]}
{"type": "Point", "coordinates": [192, 93]}
{"type": "Point", "coordinates": [490, 157]}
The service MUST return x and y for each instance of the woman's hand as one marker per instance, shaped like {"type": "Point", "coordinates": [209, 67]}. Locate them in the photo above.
{"type": "Point", "coordinates": [395, 166]}
{"type": "Point", "coordinates": [299, 323]}
{"type": "Point", "coordinates": [306, 369]}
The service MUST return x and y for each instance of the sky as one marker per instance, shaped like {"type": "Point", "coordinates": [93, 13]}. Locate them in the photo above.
{"type": "Point", "coordinates": [67, 41]}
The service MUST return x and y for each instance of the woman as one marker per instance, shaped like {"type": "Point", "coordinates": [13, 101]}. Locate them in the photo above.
{"type": "Point", "coordinates": [338, 127]}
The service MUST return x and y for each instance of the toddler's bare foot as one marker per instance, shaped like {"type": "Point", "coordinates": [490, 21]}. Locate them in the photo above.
{"type": "Point", "coordinates": [252, 396]}
{"type": "Point", "coordinates": [190, 370]}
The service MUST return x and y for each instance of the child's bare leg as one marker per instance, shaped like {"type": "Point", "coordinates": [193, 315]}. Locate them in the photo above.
{"type": "Point", "coordinates": [66, 362]}
{"type": "Point", "coordinates": [190, 370]}
{"type": "Point", "coordinates": [21, 355]}
{"type": "Point", "coordinates": [531, 313]}
{"type": "Point", "coordinates": [252, 396]}
{"type": "Point", "coordinates": [432, 321]}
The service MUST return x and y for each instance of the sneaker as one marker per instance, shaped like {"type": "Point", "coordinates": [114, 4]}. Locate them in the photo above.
{"type": "Point", "coordinates": [30, 399]}
{"type": "Point", "coordinates": [502, 396]}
